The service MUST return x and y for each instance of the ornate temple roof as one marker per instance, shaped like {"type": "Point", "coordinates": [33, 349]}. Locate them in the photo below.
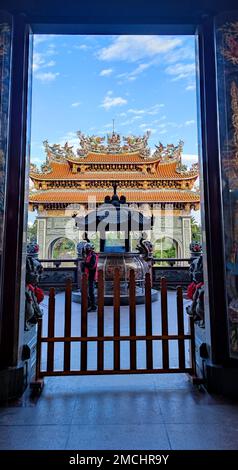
{"type": "Point", "coordinates": [63, 171]}
{"type": "Point", "coordinates": [150, 196]}
{"type": "Point", "coordinates": [70, 177]}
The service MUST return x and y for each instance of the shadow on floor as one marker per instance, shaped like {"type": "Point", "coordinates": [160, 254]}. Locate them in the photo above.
{"type": "Point", "coordinates": [120, 412]}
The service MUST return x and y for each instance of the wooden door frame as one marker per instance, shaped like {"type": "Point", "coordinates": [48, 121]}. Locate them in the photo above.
{"type": "Point", "coordinates": [16, 169]}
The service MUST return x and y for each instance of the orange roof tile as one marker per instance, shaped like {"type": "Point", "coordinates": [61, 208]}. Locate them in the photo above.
{"type": "Point", "coordinates": [62, 171]}
{"type": "Point", "coordinates": [92, 157]}
{"type": "Point", "coordinates": [70, 197]}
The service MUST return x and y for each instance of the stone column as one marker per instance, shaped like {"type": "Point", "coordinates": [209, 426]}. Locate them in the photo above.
{"type": "Point", "coordinates": [187, 235]}
{"type": "Point", "coordinates": [41, 237]}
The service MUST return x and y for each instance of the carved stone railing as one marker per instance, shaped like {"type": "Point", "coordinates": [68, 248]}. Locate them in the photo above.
{"type": "Point", "coordinates": [178, 262]}
{"type": "Point", "coordinates": [175, 270]}
{"type": "Point", "coordinates": [56, 272]}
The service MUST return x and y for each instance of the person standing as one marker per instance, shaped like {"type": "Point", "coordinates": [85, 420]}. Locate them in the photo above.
{"type": "Point", "coordinates": [89, 266]}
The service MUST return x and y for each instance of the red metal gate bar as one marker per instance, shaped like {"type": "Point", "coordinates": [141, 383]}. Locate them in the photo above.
{"type": "Point", "coordinates": [148, 322]}
{"type": "Point", "coordinates": [164, 323]}
{"type": "Point", "coordinates": [132, 313]}
{"type": "Point", "coordinates": [67, 323]}
{"type": "Point", "coordinates": [181, 349]}
{"type": "Point", "coordinates": [116, 372]}
{"type": "Point", "coordinates": [51, 330]}
{"type": "Point", "coordinates": [116, 305]}
{"type": "Point", "coordinates": [61, 339]}
{"type": "Point", "coordinates": [100, 330]}
{"type": "Point", "coordinates": [84, 322]}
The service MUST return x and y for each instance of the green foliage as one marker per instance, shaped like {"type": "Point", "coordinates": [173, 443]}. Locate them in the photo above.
{"type": "Point", "coordinates": [196, 230]}
{"type": "Point", "coordinates": [32, 232]}
{"type": "Point", "coordinates": [64, 248]}
{"type": "Point", "coordinates": [170, 253]}
{"type": "Point", "coordinates": [164, 249]}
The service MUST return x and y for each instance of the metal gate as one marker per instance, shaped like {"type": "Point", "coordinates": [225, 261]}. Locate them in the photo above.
{"type": "Point", "coordinates": [180, 337]}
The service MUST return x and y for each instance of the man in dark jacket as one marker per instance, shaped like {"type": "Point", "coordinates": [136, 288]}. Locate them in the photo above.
{"type": "Point", "coordinates": [89, 266]}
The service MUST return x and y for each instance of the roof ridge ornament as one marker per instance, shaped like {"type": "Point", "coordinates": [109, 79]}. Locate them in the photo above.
{"type": "Point", "coordinates": [116, 145]}
{"type": "Point", "coordinates": [89, 144]}
{"type": "Point", "coordinates": [57, 152]}
{"type": "Point", "coordinates": [169, 152]}
{"type": "Point", "coordinates": [131, 144]}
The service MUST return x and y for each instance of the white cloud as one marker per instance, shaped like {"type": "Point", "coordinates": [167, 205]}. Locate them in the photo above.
{"type": "Point", "coordinates": [159, 130]}
{"type": "Point", "coordinates": [106, 72]}
{"type": "Point", "coordinates": [51, 50]}
{"type": "Point", "coordinates": [108, 126]}
{"type": "Point", "coordinates": [189, 159]}
{"type": "Point", "coordinates": [152, 110]}
{"type": "Point", "coordinates": [175, 125]}
{"type": "Point", "coordinates": [71, 138]}
{"type": "Point", "coordinates": [190, 123]}
{"type": "Point", "coordinates": [133, 48]}
{"type": "Point", "coordinates": [191, 87]}
{"type": "Point", "coordinates": [135, 73]}
{"type": "Point", "coordinates": [181, 53]}
{"type": "Point", "coordinates": [130, 121]}
{"type": "Point", "coordinates": [82, 47]}
{"type": "Point", "coordinates": [36, 160]}
{"type": "Point", "coordinates": [158, 51]}
{"type": "Point", "coordinates": [39, 38]}
{"type": "Point", "coordinates": [181, 71]}
{"type": "Point", "coordinates": [39, 61]}
{"type": "Point", "coordinates": [51, 63]}
{"type": "Point", "coordinates": [76, 104]}
{"type": "Point", "coordinates": [46, 77]}
{"type": "Point", "coordinates": [110, 101]}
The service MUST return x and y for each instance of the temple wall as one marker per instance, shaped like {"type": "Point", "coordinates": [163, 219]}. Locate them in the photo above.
{"type": "Point", "coordinates": [186, 235]}
{"type": "Point", "coordinates": [41, 235]}
{"type": "Point", "coordinates": [51, 228]}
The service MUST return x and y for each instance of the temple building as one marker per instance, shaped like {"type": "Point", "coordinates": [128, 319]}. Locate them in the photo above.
{"type": "Point", "coordinates": [157, 183]}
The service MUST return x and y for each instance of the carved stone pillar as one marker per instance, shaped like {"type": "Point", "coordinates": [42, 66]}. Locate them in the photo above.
{"type": "Point", "coordinates": [187, 235]}
{"type": "Point", "coordinates": [41, 237]}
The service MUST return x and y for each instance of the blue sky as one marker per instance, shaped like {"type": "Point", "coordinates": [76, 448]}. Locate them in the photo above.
{"type": "Point", "coordinates": [143, 82]}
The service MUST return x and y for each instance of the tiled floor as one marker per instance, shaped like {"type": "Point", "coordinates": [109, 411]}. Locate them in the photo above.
{"type": "Point", "coordinates": [127, 412]}
{"type": "Point", "coordinates": [152, 412]}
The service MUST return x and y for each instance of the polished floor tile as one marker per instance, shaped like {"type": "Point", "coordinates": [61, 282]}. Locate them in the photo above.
{"type": "Point", "coordinates": [203, 436]}
{"type": "Point", "coordinates": [117, 407]}
{"type": "Point", "coordinates": [121, 437]}
{"type": "Point", "coordinates": [33, 437]}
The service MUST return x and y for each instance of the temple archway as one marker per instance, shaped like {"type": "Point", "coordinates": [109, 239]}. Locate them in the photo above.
{"type": "Point", "coordinates": [61, 248]}
{"type": "Point", "coordinates": [167, 247]}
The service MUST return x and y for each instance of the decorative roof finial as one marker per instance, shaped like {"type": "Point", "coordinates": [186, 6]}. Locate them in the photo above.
{"type": "Point", "coordinates": [113, 126]}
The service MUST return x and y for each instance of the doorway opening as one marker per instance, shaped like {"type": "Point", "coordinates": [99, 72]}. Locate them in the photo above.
{"type": "Point", "coordinates": [121, 119]}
